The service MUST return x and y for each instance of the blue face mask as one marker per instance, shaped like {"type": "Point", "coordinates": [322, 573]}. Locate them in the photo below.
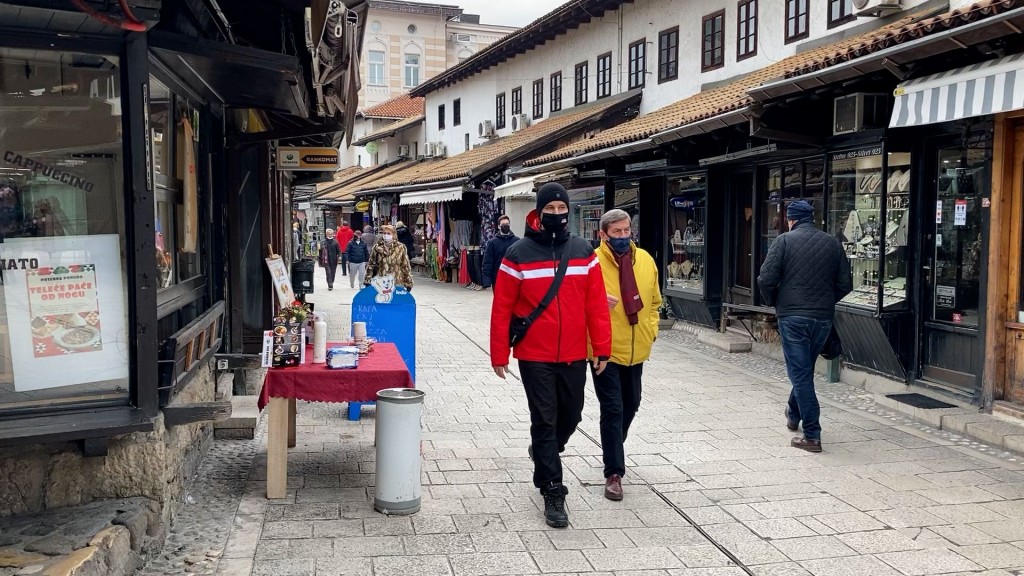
{"type": "Point", "coordinates": [619, 245]}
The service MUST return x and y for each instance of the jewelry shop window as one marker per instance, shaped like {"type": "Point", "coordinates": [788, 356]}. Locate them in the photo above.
{"type": "Point", "coordinates": [586, 205]}
{"type": "Point", "coordinates": [64, 335]}
{"type": "Point", "coordinates": [870, 215]}
{"type": "Point", "coordinates": [787, 183]}
{"type": "Point", "coordinates": [687, 212]}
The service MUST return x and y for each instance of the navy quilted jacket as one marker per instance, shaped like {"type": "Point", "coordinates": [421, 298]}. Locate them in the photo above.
{"type": "Point", "coordinates": [805, 273]}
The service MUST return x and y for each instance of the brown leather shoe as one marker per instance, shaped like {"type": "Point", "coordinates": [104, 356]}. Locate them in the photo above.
{"type": "Point", "coordinates": [805, 444]}
{"type": "Point", "coordinates": [791, 424]}
{"type": "Point", "coordinates": [613, 487]}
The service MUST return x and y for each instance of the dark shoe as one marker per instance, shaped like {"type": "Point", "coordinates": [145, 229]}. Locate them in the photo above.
{"type": "Point", "coordinates": [613, 487]}
{"type": "Point", "coordinates": [805, 444]}
{"type": "Point", "coordinates": [793, 425]}
{"type": "Point", "coordinates": [554, 506]}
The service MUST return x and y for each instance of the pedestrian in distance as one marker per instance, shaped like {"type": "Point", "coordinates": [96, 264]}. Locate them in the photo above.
{"type": "Point", "coordinates": [405, 236]}
{"type": "Point", "coordinates": [495, 250]}
{"type": "Point", "coordinates": [631, 282]}
{"type": "Point", "coordinates": [805, 273]}
{"type": "Point", "coordinates": [330, 253]}
{"type": "Point", "coordinates": [358, 254]}
{"type": "Point", "coordinates": [369, 237]}
{"type": "Point", "coordinates": [389, 258]}
{"type": "Point", "coordinates": [344, 237]}
{"type": "Point", "coordinates": [548, 299]}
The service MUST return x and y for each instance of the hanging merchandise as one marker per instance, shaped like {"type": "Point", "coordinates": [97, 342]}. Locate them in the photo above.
{"type": "Point", "coordinates": [488, 207]}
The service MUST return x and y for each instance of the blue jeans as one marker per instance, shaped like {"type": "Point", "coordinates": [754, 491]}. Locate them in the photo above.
{"type": "Point", "coordinates": [802, 341]}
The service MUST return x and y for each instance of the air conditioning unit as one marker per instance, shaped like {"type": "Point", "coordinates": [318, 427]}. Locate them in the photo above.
{"type": "Point", "coordinates": [860, 111]}
{"type": "Point", "coordinates": [428, 150]}
{"type": "Point", "coordinates": [439, 150]}
{"type": "Point", "coordinates": [520, 121]}
{"type": "Point", "coordinates": [403, 150]}
{"type": "Point", "coordinates": [486, 129]}
{"type": "Point", "coordinates": [877, 7]}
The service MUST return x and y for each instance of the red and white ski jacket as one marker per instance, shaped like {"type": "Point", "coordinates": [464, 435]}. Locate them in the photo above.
{"type": "Point", "coordinates": [579, 309]}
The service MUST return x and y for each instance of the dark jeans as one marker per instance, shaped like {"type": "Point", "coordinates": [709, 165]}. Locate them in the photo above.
{"type": "Point", "coordinates": [802, 341]}
{"type": "Point", "coordinates": [332, 270]}
{"type": "Point", "coordinates": [618, 390]}
{"type": "Point", "coordinates": [344, 265]}
{"type": "Point", "coordinates": [554, 392]}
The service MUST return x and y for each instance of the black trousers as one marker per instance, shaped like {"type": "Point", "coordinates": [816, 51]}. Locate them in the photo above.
{"type": "Point", "coordinates": [332, 270]}
{"type": "Point", "coordinates": [344, 264]}
{"type": "Point", "coordinates": [618, 390]}
{"type": "Point", "coordinates": [554, 392]}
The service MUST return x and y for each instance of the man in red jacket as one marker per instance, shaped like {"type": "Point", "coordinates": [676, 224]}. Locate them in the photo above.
{"type": "Point", "coordinates": [345, 235]}
{"type": "Point", "coordinates": [553, 354]}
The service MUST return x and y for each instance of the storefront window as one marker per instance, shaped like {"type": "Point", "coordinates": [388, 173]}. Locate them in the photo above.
{"type": "Point", "coordinates": [870, 215]}
{"type": "Point", "coordinates": [174, 138]}
{"type": "Point", "coordinates": [628, 199]}
{"type": "Point", "coordinates": [962, 183]}
{"type": "Point", "coordinates": [63, 317]}
{"type": "Point", "coordinates": [586, 206]}
{"type": "Point", "coordinates": [687, 213]}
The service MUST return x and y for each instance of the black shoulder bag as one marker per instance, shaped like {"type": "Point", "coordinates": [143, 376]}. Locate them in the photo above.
{"type": "Point", "coordinates": [518, 326]}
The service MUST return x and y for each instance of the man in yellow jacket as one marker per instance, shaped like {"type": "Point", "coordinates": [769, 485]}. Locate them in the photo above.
{"type": "Point", "coordinates": [631, 281]}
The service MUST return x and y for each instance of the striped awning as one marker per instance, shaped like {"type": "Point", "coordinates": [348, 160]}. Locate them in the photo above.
{"type": "Point", "coordinates": [515, 188]}
{"type": "Point", "coordinates": [978, 90]}
{"type": "Point", "coordinates": [430, 196]}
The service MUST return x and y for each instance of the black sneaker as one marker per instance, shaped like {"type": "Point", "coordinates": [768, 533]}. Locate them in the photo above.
{"type": "Point", "coordinates": [554, 506]}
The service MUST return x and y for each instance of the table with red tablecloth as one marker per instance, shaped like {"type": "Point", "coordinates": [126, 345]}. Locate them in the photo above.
{"type": "Point", "coordinates": [381, 369]}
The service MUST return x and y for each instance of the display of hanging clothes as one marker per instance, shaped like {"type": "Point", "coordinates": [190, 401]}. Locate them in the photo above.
{"type": "Point", "coordinates": [488, 216]}
{"type": "Point", "coordinates": [462, 234]}
{"type": "Point", "coordinates": [442, 244]}
{"type": "Point", "coordinates": [464, 268]}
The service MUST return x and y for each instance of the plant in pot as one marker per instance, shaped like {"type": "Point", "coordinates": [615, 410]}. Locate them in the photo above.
{"type": "Point", "coordinates": [665, 319]}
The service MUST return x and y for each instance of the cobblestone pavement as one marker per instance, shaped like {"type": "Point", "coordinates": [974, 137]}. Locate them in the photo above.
{"type": "Point", "coordinates": [713, 487]}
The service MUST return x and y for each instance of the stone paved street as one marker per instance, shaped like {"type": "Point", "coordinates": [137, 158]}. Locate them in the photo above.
{"type": "Point", "coordinates": [713, 487]}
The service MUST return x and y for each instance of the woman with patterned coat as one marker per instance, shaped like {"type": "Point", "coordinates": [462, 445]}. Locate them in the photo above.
{"type": "Point", "coordinates": [389, 257]}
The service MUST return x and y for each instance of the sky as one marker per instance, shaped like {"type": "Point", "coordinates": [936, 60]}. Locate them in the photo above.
{"type": "Point", "coordinates": [506, 12]}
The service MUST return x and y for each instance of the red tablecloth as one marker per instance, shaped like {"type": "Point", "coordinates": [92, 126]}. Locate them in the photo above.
{"type": "Point", "coordinates": [382, 368]}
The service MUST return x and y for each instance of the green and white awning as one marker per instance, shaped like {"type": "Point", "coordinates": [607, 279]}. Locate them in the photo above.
{"type": "Point", "coordinates": [979, 90]}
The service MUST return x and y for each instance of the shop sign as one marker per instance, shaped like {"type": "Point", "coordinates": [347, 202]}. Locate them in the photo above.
{"type": "Point", "coordinates": [682, 203]}
{"type": "Point", "coordinates": [363, 206]}
{"type": "Point", "coordinates": [862, 153]}
{"type": "Point", "coordinates": [281, 280]}
{"type": "Point", "coordinates": [945, 297]}
{"type": "Point", "coordinates": [308, 159]}
{"type": "Point", "coordinates": [938, 212]}
{"type": "Point", "coordinates": [304, 205]}
{"type": "Point", "coordinates": [50, 171]}
{"type": "Point", "coordinates": [960, 213]}
{"type": "Point", "coordinates": [65, 310]}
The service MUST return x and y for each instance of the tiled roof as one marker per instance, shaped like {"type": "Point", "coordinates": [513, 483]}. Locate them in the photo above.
{"type": "Point", "coordinates": [340, 177]}
{"type": "Point", "coordinates": [734, 96]}
{"type": "Point", "coordinates": [404, 106]}
{"type": "Point", "coordinates": [347, 190]}
{"type": "Point", "coordinates": [389, 130]}
{"type": "Point", "coordinates": [490, 156]}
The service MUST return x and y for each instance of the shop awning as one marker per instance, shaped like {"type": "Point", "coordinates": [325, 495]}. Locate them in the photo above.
{"type": "Point", "coordinates": [987, 88]}
{"type": "Point", "coordinates": [516, 188]}
{"type": "Point", "coordinates": [430, 196]}
{"type": "Point", "coordinates": [235, 76]}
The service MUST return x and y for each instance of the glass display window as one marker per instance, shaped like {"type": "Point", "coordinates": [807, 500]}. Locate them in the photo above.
{"type": "Point", "coordinates": [628, 199]}
{"type": "Point", "coordinates": [801, 180]}
{"type": "Point", "coordinates": [870, 215]}
{"type": "Point", "coordinates": [64, 334]}
{"type": "Point", "coordinates": [687, 213]}
{"type": "Point", "coordinates": [586, 206]}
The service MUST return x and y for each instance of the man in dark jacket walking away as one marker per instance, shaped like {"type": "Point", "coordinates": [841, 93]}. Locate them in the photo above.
{"type": "Point", "coordinates": [805, 273]}
{"type": "Point", "coordinates": [344, 237]}
{"type": "Point", "coordinates": [553, 353]}
{"type": "Point", "coordinates": [358, 254]}
{"type": "Point", "coordinates": [330, 253]}
{"type": "Point", "coordinates": [496, 248]}
{"type": "Point", "coordinates": [405, 237]}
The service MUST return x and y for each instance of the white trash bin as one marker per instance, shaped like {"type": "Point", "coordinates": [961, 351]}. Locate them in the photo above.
{"type": "Point", "coordinates": [399, 463]}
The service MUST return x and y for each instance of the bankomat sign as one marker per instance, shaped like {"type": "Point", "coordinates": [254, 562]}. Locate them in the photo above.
{"type": "Point", "coordinates": [307, 158]}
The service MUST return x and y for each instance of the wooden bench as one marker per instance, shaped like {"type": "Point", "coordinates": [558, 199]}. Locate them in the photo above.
{"type": "Point", "coordinates": [743, 313]}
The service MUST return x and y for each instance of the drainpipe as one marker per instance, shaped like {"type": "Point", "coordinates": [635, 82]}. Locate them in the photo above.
{"type": "Point", "coordinates": [621, 51]}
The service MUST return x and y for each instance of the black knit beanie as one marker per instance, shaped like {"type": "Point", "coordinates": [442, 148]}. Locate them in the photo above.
{"type": "Point", "coordinates": [551, 192]}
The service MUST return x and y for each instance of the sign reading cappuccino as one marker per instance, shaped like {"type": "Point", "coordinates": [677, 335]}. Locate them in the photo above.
{"type": "Point", "coordinates": [307, 158]}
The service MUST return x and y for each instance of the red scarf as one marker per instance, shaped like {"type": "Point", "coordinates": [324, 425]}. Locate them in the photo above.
{"type": "Point", "coordinates": [628, 290]}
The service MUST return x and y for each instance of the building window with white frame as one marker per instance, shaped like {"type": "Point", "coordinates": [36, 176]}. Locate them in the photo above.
{"type": "Point", "coordinates": [637, 63]}
{"type": "Point", "coordinates": [668, 55]}
{"type": "Point", "coordinates": [412, 70]}
{"type": "Point", "coordinates": [604, 75]}
{"type": "Point", "coordinates": [375, 65]}
{"type": "Point", "coordinates": [746, 29]}
{"type": "Point", "coordinates": [713, 41]}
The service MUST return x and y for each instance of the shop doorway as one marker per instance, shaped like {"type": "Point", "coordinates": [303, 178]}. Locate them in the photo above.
{"type": "Point", "coordinates": [742, 257]}
{"type": "Point", "coordinates": [953, 255]}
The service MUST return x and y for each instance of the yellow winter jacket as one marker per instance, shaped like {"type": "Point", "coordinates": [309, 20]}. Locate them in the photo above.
{"type": "Point", "coordinates": [631, 344]}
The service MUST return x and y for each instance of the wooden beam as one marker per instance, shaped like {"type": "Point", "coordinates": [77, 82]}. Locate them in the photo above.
{"type": "Point", "coordinates": [181, 414]}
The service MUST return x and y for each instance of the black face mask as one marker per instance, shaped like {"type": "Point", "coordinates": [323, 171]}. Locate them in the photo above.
{"type": "Point", "coordinates": [505, 228]}
{"type": "Point", "coordinates": [554, 223]}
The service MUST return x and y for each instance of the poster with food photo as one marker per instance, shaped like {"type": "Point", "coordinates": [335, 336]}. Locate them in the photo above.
{"type": "Point", "coordinates": [66, 314]}
{"type": "Point", "coordinates": [64, 309]}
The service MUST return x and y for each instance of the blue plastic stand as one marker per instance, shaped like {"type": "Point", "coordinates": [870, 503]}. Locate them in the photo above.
{"type": "Point", "coordinates": [390, 316]}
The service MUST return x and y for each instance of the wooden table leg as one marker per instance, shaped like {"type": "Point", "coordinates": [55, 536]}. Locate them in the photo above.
{"type": "Point", "coordinates": [277, 449]}
{"type": "Point", "coordinates": [291, 422]}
